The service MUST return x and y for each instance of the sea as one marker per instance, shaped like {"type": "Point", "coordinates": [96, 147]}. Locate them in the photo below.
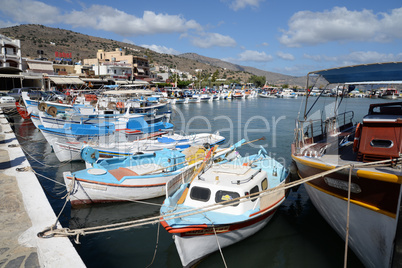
{"type": "Point", "coordinates": [297, 236]}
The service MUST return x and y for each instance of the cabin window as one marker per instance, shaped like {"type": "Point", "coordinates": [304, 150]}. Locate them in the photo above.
{"type": "Point", "coordinates": [381, 143]}
{"type": "Point", "coordinates": [200, 194]}
{"type": "Point", "coordinates": [225, 196]}
{"type": "Point", "coordinates": [254, 190]}
{"type": "Point", "coordinates": [264, 184]}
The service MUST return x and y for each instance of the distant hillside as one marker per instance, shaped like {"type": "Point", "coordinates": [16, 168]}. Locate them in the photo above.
{"type": "Point", "coordinates": [50, 40]}
{"type": "Point", "coordinates": [272, 77]}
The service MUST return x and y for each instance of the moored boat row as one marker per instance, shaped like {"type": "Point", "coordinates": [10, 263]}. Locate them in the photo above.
{"type": "Point", "coordinates": [212, 204]}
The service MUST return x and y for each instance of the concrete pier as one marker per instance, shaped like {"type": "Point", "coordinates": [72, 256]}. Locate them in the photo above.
{"type": "Point", "coordinates": [25, 211]}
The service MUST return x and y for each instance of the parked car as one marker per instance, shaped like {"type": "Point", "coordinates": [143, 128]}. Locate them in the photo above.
{"type": "Point", "coordinates": [33, 92]}
{"type": "Point", "coordinates": [4, 98]}
{"type": "Point", "coordinates": [55, 95]}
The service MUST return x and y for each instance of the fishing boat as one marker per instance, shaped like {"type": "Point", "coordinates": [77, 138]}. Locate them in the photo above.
{"type": "Point", "coordinates": [21, 109]}
{"type": "Point", "coordinates": [238, 94]}
{"type": "Point", "coordinates": [287, 94]}
{"type": "Point", "coordinates": [106, 132]}
{"type": "Point", "coordinates": [204, 97]}
{"type": "Point", "coordinates": [89, 115]}
{"type": "Point", "coordinates": [35, 105]}
{"type": "Point", "coordinates": [390, 94]}
{"type": "Point", "coordinates": [360, 192]}
{"type": "Point", "coordinates": [134, 177]}
{"type": "Point", "coordinates": [222, 205]}
{"type": "Point", "coordinates": [70, 150]}
{"type": "Point", "coordinates": [268, 95]}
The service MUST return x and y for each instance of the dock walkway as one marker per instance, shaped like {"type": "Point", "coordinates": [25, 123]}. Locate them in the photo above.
{"type": "Point", "coordinates": [25, 211]}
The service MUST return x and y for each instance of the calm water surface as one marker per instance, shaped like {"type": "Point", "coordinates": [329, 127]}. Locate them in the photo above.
{"type": "Point", "coordinates": [297, 236]}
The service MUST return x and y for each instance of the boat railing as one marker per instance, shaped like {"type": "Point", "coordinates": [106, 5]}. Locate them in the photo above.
{"type": "Point", "coordinates": [238, 182]}
{"type": "Point", "coordinates": [317, 130]}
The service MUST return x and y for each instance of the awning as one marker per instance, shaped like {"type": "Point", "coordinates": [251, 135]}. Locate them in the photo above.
{"type": "Point", "coordinates": [40, 66]}
{"type": "Point", "coordinates": [11, 76]}
{"type": "Point", "coordinates": [388, 71]}
{"type": "Point", "coordinates": [121, 82]}
{"type": "Point", "coordinates": [20, 76]}
{"type": "Point", "coordinates": [66, 80]}
{"type": "Point", "coordinates": [129, 92]}
{"type": "Point", "coordinates": [140, 70]}
{"type": "Point", "coordinates": [94, 80]}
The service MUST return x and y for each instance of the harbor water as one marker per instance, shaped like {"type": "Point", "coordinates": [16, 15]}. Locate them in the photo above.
{"type": "Point", "coordinates": [297, 236]}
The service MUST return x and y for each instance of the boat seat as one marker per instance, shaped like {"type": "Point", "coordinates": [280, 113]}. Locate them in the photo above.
{"type": "Point", "coordinates": [121, 172]}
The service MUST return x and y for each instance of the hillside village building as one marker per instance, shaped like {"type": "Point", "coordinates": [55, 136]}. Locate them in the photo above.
{"type": "Point", "coordinates": [10, 55]}
{"type": "Point", "coordinates": [117, 64]}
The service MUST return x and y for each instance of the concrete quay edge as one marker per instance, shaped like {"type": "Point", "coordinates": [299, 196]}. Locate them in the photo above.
{"type": "Point", "coordinates": [51, 252]}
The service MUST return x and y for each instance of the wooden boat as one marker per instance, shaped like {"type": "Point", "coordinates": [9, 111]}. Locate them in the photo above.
{"type": "Point", "coordinates": [390, 94]}
{"type": "Point", "coordinates": [223, 205]}
{"type": "Point", "coordinates": [71, 150]}
{"type": "Point", "coordinates": [370, 194]}
{"type": "Point", "coordinates": [287, 94]}
{"type": "Point", "coordinates": [238, 94]}
{"type": "Point", "coordinates": [133, 177]}
{"type": "Point", "coordinates": [21, 109]}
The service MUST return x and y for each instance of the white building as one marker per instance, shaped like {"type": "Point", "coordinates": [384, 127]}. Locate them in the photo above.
{"type": "Point", "coordinates": [10, 55]}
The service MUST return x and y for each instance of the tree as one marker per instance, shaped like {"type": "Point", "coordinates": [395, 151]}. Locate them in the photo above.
{"type": "Point", "coordinates": [258, 81]}
{"type": "Point", "coordinates": [215, 75]}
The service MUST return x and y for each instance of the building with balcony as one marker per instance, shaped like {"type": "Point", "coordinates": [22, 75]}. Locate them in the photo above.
{"type": "Point", "coordinates": [10, 55]}
{"type": "Point", "coordinates": [117, 63]}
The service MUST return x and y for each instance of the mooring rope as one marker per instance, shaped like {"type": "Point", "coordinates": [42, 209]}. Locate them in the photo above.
{"type": "Point", "coordinates": [219, 246]}
{"type": "Point", "coordinates": [156, 246]}
{"type": "Point", "coordinates": [193, 211]}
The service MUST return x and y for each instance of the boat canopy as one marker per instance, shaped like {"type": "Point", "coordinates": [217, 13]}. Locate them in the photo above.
{"type": "Point", "coordinates": [129, 92]}
{"type": "Point", "coordinates": [388, 71]}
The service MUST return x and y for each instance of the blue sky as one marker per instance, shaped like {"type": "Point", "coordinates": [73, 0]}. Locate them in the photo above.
{"type": "Point", "coordinates": [288, 37]}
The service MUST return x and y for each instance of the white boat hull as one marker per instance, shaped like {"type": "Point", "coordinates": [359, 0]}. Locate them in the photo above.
{"type": "Point", "coordinates": [87, 192]}
{"type": "Point", "coordinates": [193, 248]}
{"type": "Point", "coordinates": [371, 234]}
{"type": "Point", "coordinates": [69, 149]}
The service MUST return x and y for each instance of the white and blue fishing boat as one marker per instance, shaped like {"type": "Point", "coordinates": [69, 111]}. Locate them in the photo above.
{"type": "Point", "coordinates": [78, 132]}
{"type": "Point", "coordinates": [134, 177]}
{"type": "Point", "coordinates": [70, 150]}
{"type": "Point", "coordinates": [223, 205]}
{"type": "Point", "coordinates": [132, 128]}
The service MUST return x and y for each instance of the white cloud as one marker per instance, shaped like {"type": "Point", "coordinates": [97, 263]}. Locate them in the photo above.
{"type": "Point", "coordinates": [27, 11]}
{"type": "Point", "coordinates": [99, 17]}
{"type": "Point", "coordinates": [110, 19]}
{"type": "Point", "coordinates": [341, 24]}
{"type": "Point", "coordinates": [161, 49]}
{"type": "Point", "coordinates": [240, 4]}
{"type": "Point", "coordinates": [285, 56]}
{"type": "Point", "coordinates": [251, 55]}
{"type": "Point", "coordinates": [207, 40]}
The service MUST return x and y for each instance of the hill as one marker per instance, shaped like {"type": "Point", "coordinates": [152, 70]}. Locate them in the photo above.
{"type": "Point", "coordinates": [50, 40]}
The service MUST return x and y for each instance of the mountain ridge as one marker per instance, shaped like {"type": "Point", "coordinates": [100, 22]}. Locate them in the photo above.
{"type": "Point", "coordinates": [50, 40]}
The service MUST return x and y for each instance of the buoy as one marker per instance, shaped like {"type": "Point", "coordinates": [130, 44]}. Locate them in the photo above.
{"type": "Point", "coordinates": [120, 105]}
{"type": "Point", "coordinates": [42, 106]}
{"type": "Point", "coordinates": [111, 105]}
{"type": "Point", "coordinates": [52, 111]}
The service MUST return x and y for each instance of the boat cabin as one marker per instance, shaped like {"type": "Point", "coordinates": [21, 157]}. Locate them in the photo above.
{"type": "Point", "coordinates": [380, 135]}
{"type": "Point", "coordinates": [227, 182]}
